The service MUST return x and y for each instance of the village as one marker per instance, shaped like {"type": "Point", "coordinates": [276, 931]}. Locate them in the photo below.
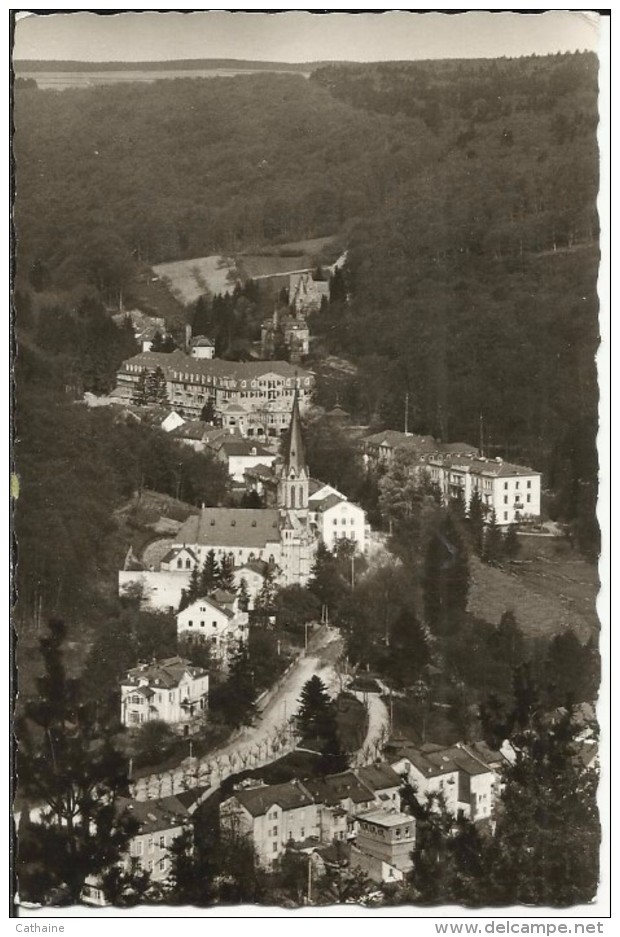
{"type": "Point", "coordinates": [214, 573]}
{"type": "Point", "coordinates": [306, 474]}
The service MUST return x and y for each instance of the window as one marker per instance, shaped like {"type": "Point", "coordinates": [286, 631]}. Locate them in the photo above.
{"type": "Point", "coordinates": [505, 486]}
{"type": "Point", "coordinates": [275, 847]}
{"type": "Point", "coordinates": [302, 832]}
{"type": "Point", "coordinates": [190, 623]}
{"type": "Point", "coordinates": [162, 841]}
{"type": "Point", "coordinates": [139, 847]}
{"type": "Point", "coordinates": [335, 521]}
{"type": "Point", "coordinates": [516, 484]}
{"type": "Point", "coordinates": [179, 564]}
{"type": "Point", "coordinates": [529, 485]}
{"type": "Point", "coordinates": [505, 515]}
{"type": "Point", "coordinates": [188, 564]}
{"type": "Point", "coordinates": [505, 499]}
{"type": "Point", "coordinates": [529, 498]}
{"type": "Point", "coordinates": [151, 844]}
{"type": "Point", "coordinates": [162, 865]}
{"type": "Point", "coordinates": [274, 831]}
{"type": "Point", "coordinates": [150, 865]}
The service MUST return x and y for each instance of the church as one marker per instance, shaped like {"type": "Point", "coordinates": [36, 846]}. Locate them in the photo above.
{"type": "Point", "coordinates": [281, 536]}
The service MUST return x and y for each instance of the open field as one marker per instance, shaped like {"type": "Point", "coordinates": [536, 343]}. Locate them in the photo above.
{"type": "Point", "coordinates": [550, 588]}
{"type": "Point", "coordinates": [190, 279]}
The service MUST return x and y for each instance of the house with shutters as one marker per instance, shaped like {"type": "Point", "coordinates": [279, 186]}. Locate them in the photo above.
{"type": "Point", "coordinates": [171, 690]}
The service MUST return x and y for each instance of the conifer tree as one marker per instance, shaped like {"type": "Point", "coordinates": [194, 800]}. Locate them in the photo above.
{"type": "Point", "coordinates": [193, 589]}
{"type": "Point", "coordinates": [76, 776]}
{"type": "Point", "coordinates": [493, 541]}
{"type": "Point", "coordinates": [446, 579]}
{"type": "Point", "coordinates": [475, 522]}
{"type": "Point", "coordinates": [226, 576]}
{"type": "Point", "coordinates": [243, 595]}
{"type": "Point", "coordinates": [140, 394]}
{"type": "Point", "coordinates": [185, 600]}
{"type": "Point", "coordinates": [315, 716]}
{"type": "Point", "coordinates": [210, 574]}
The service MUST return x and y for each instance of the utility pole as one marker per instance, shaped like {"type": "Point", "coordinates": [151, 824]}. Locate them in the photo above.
{"type": "Point", "coordinates": [306, 636]}
{"type": "Point", "coordinates": [309, 879]}
{"type": "Point", "coordinates": [353, 571]}
{"type": "Point", "coordinates": [406, 413]}
{"type": "Point", "coordinates": [481, 435]}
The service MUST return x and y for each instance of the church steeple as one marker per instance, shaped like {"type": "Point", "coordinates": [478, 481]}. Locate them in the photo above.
{"type": "Point", "coordinates": [294, 472]}
{"type": "Point", "coordinates": [295, 458]}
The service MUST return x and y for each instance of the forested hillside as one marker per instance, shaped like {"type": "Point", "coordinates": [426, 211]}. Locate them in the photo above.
{"type": "Point", "coordinates": [465, 192]}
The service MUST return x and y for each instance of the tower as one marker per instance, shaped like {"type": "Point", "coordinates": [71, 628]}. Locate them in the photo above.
{"type": "Point", "coordinates": [293, 482]}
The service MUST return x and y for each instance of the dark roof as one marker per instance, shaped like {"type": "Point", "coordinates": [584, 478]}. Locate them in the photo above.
{"type": "Point", "coordinates": [156, 815]}
{"type": "Point", "coordinates": [288, 796]}
{"type": "Point", "coordinates": [231, 527]}
{"type": "Point", "coordinates": [219, 607]}
{"type": "Point", "coordinates": [329, 501]}
{"type": "Point", "coordinates": [334, 788]}
{"type": "Point", "coordinates": [178, 363]}
{"type": "Point", "coordinates": [170, 555]}
{"type": "Point", "coordinates": [234, 446]}
{"type": "Point", "coordinates": [256, 567]}
{"type": "Point", "coordinates": [378, 777]}
{"type": "Point", "coordinates": [165, 673]}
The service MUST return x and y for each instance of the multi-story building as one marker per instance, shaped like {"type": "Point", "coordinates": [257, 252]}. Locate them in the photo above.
{"type": "Point", "coordinates": [511, 491]}
{"type": "Point", "coordinates": [254, 397]}
{"type": "Point", "coordinates": [305, 294]}
{"type": "Point", "coordinates": [384, 845]}
{"type": "Point", "coordinates": [215, 620]}
{"type": "Point", "coordinates": [466, 775]}
{"type": "Point", "coordinates": [171, 690]}
{"type": "Point", "coordinates": [275, 816]}
{"type": "Point", "coordinates": [338, 519]}
{"type": "Point", "coordinates": [161, 822]}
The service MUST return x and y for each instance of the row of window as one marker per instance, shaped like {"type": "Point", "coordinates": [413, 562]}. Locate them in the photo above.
{"type": "Point", "coordinates": [528, 484]}
{"type": "Point", "coordinates": [517, 502]}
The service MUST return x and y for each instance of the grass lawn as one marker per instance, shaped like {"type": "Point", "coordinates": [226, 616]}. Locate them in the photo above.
{"type": "Point", "coordinates": [550, 588]}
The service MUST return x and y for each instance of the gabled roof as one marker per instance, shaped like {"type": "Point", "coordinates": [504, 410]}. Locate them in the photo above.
{"type": "Point", "coordinates": [378, 777]}
{"type": "Point", "coordinates": [154, 816]}
{"type": "Point", "coordinates": [212, 603]}
{"type": "Point", "coordinates": [231, 527]}
{"type": "Point", "coordinates": [288, 796]}
{"type": "Point", "coordinates": [255, 567]}
{"type": "Point", "coordinates": [334, 788]}
{"type": "Point", "coordinates": [235, 446]}
{"type": "Point", "coordinates": [326, 503]}
{"type": "Point", "coordinates": [176, 551]}
{"type": "Point", "coordinates": [166, 673]}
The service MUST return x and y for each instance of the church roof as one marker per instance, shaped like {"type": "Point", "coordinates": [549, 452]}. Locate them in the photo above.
{"type": "Point", "coordinates": [231, 527]}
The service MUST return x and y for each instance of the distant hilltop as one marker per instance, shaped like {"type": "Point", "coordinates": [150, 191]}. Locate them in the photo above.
{"type": "Point", "coordinates": [45, 65]}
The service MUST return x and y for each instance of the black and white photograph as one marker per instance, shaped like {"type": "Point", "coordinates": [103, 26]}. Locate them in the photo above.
{"type": "Point", "coordinates": [306, 461]}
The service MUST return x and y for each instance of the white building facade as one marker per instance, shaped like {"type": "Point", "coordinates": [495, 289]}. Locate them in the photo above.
{"type": "Point", "coordinates": [170, 690]}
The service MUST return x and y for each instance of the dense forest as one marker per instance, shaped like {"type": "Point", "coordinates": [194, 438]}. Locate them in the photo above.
{"type": "Point", "coordinates": [465, 192]}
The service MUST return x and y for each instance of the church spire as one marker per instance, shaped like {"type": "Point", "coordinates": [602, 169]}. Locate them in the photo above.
{"type": "Point", "coordinates": [295, 457]}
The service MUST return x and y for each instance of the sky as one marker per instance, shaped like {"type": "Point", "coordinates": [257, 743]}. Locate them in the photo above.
{"type": "Point", "coordinates": [296, 36]}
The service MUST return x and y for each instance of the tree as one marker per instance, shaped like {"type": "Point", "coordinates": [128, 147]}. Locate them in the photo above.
{"type": "Point", "coordinates": [546, 847]}
{"type": "Point", "coordinates": [185, 600]}
{"type": "Point", "coordinates": [475, 522]}
{"type": "Point", "coordinates": [140, 395]}
{"type": "Point", "coordinates": [207, 414]}
{"type": "Point", "coordinates": [243, 595]}
{"type": "Point", "coordinates": [315, 716]}
{"type": "Point", "coordinates": [226, 576]}
{"type": "Point", "coordinates": [234, 699]}
{"type": "Point", "coordinates": [325, 582]}
{"type": "Point", "coordinates": [449, 858]}
{"type": "Point", "coordinates": [295, 606]}
{"type": "Point", "coordinates": [446, 579]}
{"type": "Point", "coordinates": [511, 545]}
{"type": "Point", "coordinates": [78, 777]}
{"type": "Point", "coordinates": [209, 575]}
{"type": "Point", "coordinates": [193, 588]}
{"type": "Point", "coordinates": [571, 670]}
{"type": "Point", "coordinates": [493, 541]}
{"type": "Point", "coordinates": [251, 499]}
{"type": "Point", "coordinates": [162, 343]}
{"type": "Point", "coordinates": [265, 598]}
{"type": "Point", "coordinates": [156, 388]}
{"type": "Point", "coordinates": [154, 741]}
